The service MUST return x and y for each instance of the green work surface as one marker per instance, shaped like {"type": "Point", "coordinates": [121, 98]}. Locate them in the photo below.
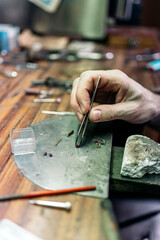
{"type": "Point", "coordinates": [148, 185]}
{"type": "Point", "coordinates": [69, 166]}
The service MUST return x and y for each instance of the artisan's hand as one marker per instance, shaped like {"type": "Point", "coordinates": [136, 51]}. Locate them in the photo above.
{"type": "Point", "coordinates": [133, 103]}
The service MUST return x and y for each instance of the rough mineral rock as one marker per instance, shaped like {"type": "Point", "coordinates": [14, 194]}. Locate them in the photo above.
{"type": "Point", "coordinates": [141, 156]}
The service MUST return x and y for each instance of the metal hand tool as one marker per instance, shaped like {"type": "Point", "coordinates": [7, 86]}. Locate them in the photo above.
{"type": "Point", "coordinates": [47, 100]}
{"type": "Point", "coordinates": [69, 56]}
{"type": "Point", "coordinates": [84, 123]}
{"type": "Point", "coordinates": [45, 193]}
{"type": "Point", "coordinates": [63, 205]}
{"type": "Point", "coordinates": [55, 83]}
{"type": "Point", "coordinates": [143, 57]}
{"type": "Point", "coordinates": [28, 66]}
{"type": "Point", "coordinates": [33, 91]}
{"type": "Point", "coordinates": [9, 73]}
{"type": "Point", "coordinates": [58, 113]}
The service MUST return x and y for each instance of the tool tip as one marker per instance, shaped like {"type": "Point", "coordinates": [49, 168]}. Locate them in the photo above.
{"type": "Point", "coordinates": [68, 205]}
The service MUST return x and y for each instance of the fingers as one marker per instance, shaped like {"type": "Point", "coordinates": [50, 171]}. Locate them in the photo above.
{"type": "Point", "coordinates": [82, 89]}
{"type": "Point", "coordinates": [113, 81]}
{"type": "Point", "coordinates": [73, 100]}
{"type": "Point", "coordinates": [133, 103]}
{"type": "Point", "coordinates": [85, 87]}
{"type": "Point", "coordinates": [128, 111]}
{"type": "Point", "coordinates": [103, 113]}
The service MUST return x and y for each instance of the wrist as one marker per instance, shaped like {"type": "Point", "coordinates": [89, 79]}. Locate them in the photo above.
{"type": "Point", "coordinates": [156, 104]}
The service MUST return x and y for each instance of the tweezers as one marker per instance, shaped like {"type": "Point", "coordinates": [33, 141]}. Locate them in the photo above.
{"type": "Point", "coordinates": [83, 126]}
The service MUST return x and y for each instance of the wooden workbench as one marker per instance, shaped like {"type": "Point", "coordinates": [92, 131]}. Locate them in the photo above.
{"type": "Point", "coordinates": [84, 221]}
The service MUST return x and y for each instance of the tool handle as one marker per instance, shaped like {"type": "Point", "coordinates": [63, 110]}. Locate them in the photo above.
{"type": "Point", "coordinates": [53, 82]}
{"type": "Point", "coordinates": [31, 91]}
{"type": "Point", "coordinates": [46, 193]}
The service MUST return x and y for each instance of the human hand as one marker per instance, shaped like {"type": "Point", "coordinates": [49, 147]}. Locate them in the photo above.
{"type": "Point", "coordinates": [133, 102]}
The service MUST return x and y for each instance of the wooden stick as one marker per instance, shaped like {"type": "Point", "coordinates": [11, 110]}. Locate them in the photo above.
{"type": "Point", "coordinates": [45, 193]}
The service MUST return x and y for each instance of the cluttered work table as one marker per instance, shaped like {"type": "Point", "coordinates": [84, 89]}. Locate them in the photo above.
{"type": "Point", "coordinates": [54, 165]}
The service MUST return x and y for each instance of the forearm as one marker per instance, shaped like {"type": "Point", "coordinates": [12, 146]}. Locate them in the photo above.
{"type": "Point", "coordinates": [155, 98]}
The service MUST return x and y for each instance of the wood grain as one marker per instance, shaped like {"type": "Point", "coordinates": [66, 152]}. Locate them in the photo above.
{"type": "Point", "coordinates": [84, 220]}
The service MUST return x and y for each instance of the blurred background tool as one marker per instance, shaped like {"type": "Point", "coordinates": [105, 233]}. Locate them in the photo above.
{"type": "Point", "coordinates": [20, 65]}
{"type": "Point", "coordinates": [53, 82]}
{"type": "Point", "coordinates": [27, 66]}
{"type": "Point", "coordinates": [33, 91]}
{"type": "Point", "coordinates": [143, 57]}
{"type": "Point", "coordinates": [58, 113]}
{"type": "Point", "coordinates": [62, 205]}
{"type": "Point", "coordinates": [8, 73]}
{"type": "Point", "coordinates": [153, 65]}
{"type": "Point", "coordinates": [68, 55]}
{"type": "Point", "coordinates": [48, 100]}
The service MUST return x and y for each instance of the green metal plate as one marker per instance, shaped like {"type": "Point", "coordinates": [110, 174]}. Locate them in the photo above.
{"type": "Point", "coordinates": [69, 166]}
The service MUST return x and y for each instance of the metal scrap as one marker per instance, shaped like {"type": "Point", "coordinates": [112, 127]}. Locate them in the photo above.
{"type": "Point", "coordinates": [58, 141]}
{"type": "Point", "coordinates": [70, 133]}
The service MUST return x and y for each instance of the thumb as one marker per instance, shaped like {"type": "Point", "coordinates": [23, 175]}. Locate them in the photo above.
{"type": "Point", "coordinates": [104, 113]}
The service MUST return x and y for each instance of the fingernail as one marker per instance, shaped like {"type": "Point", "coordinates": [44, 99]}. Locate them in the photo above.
{"type": "Point", "coordinates": [96, 115]}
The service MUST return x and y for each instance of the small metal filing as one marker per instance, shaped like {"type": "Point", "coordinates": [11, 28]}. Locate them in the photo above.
{"type": "Point", "coordinates": [63, 205]}
{"type": "Point", "coordinates": [84, 123]}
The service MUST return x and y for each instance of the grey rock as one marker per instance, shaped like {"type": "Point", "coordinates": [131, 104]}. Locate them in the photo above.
{"type": "Point", "coordinates": [141, 156]}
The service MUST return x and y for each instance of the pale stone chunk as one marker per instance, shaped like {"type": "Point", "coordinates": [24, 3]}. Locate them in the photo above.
{"type": "Point", "coordinates": [141, 156]}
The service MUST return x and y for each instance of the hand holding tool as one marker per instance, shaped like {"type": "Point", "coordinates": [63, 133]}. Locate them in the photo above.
{"type": "Point", "coordinates": [84, 123]}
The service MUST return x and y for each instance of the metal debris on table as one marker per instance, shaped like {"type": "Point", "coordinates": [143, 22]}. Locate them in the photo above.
{"type": "Point", "coordinates": [98, 145]}
{"type": "Point", "coordinates": [70, 133]}
{"type": "Point", "coordinates": [57, 142]}
{"type": "Point", "coordinates": [99, 142]}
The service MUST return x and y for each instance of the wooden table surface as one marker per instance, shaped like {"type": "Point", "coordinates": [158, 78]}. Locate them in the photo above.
{"type": "Point", "coordinates": [84, 221]}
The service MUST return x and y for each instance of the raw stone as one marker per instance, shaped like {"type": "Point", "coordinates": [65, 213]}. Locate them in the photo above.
{"type": "Point", "coordinates": [141, 156]}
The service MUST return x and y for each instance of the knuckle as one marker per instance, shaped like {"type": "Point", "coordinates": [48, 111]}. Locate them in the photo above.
{"type": "Point", "coordinates": [73, 103]}
{"type": "Point", "coordinates": [85, 73]}
{"type": "Point", "coordinates": [75, 82]}
{"type": "Point", "coordinates": [109, 113]}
